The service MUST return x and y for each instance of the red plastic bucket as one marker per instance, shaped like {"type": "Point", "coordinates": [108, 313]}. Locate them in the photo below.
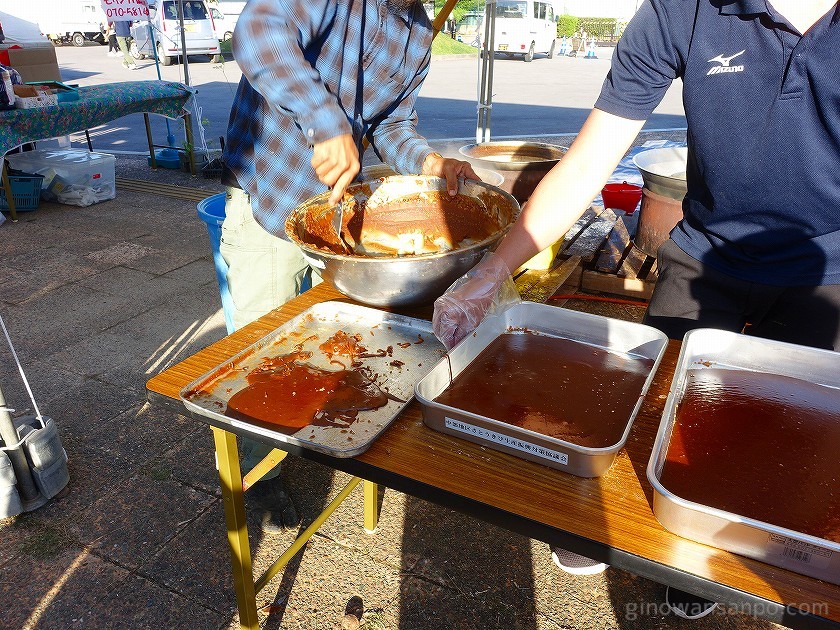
{"type": "Point", "coordinates": [622, 196]}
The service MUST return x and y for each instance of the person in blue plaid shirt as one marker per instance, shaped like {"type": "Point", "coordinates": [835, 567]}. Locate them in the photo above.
{"type": "Point", "coordinates": [317, 78]}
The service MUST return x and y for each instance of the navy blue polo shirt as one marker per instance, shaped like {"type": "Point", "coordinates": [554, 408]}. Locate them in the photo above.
{"type": "Point", "coordinates": [763, 109]}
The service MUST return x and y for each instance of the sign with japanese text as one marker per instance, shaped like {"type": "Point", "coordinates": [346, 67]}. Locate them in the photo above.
{"type": "Point", "coordinates": [126, 10]}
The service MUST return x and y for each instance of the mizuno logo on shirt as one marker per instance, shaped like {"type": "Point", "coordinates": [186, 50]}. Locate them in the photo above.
{"type": "Point", "coordinates": [725, 64]}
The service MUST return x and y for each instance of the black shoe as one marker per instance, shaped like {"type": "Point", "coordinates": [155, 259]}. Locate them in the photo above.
{"type": "Point", "coordinates": [686, 605]}
{"type": "Point", "coordinates": [274, 506]}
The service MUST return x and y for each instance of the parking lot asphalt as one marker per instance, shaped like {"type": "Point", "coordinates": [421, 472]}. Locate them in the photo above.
{"type": "Point", "coordinates": [546, 96]}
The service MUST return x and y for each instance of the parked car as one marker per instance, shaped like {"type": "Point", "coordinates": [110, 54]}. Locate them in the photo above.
{"type": "Point", "coordinates": [224, 23]}
{"type": "Point", "coordinates": [67, 22]}
{"type": "Point", "coordinates": [467, 28]}
{"type": "Point", "coordinates": [199, 31]}
{"type": "Point", "coordinates": [22, 32]}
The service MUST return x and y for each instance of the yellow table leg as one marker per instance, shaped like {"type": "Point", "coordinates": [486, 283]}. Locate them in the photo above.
{"type": "Point", "coordinates": [233, 489]}
{"type": "Point", "coordinates": [230, 477]}
{"type": "Point", "coordinates": [267, 463]}
{"type": "Point", "coordinates": [371, 506]}
{"type": "Point", "coordinates": [304, 537]}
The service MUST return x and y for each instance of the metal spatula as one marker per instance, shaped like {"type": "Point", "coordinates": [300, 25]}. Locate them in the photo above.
{"type": "Point", "coordinates": [338, 222]}
{"type": "Point", "coordinates": [337, 219]}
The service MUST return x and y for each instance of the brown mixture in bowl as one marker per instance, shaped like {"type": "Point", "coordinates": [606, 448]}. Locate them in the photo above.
{"type": "Point", "coordinates": [421, 223]}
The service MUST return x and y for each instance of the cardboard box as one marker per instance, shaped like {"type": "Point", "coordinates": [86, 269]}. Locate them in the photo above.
{"type": "Point", "coordinates": [35, 64]}
{"type": "Point", "coordinates": [65, 93]}
{"type": "Point", "coordinates": [31, 96]}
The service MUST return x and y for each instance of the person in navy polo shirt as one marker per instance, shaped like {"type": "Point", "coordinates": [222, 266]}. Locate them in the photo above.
{"type": "Point", "coordinates": [758, 249]}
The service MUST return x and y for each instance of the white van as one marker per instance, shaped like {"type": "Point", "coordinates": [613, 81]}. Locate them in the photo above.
{"type": "Point", "coordinates": [467, 30]}
{"type": "Point", "coordinates": [224, 23]}
{"type": "Point", "coordinates": [225, 14]}
{"type": "Point", "coordinates": [199, 31]}
{"type": "Point", "coordinates": [525, 27]}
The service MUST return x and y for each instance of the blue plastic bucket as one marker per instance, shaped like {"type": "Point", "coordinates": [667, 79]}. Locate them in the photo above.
{"type": "Point", "coordinates": [212, 212]}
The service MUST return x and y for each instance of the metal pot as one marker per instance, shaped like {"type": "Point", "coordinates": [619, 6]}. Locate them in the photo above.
{"type": "Point", "coordinates": [391, 281]}
{"type": "Point", "coordinates": [522, 164]}
{"type": "Point", "coordinates": [663, 173]}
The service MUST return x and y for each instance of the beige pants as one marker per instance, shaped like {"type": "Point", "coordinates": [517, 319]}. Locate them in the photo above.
{"type": "Point", "coordinates": [264, 272]}
{"type": "Point", "coordinates": [122, 42]}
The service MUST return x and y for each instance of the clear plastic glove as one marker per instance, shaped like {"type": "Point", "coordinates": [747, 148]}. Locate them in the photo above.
{"type": "Point", "coordinates": [486, 288]}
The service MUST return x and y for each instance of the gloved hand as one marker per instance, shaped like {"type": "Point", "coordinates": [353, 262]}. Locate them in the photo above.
{"type": "Point", "coordinates": [486, 288]}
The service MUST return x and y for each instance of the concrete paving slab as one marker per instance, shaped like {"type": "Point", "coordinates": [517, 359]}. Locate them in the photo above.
{"type": "Point", "coordinates": [47, 381]}
{"type": "Point", "coordinates": [64, 316]}
{"type": "Point", "coordinates": [135, 284]}
{"type": "Point", "coordinates": [140, 434]}
{"type": "Point", "coordinates": [93, 472]}
{"type": "Point", "coordinates": [193, 463]}
{"type": "Point", "coordinates": [207, 581]}
{"type": "Point", "coordinates": [41, 271]}
{"type": "Point", "coordinates": [57, 592]}
{"type": "Point", "coordinates": [199, 273]}
{"type": "Point", "coordinates": [139, 603]}
{"type": "Point", "coordinates": [133, 519]}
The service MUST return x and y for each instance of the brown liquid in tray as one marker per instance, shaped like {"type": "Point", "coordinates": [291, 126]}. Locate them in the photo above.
{"type": "Point", "coordinates": [761, 446]}
{"type": "Point", "coordinates": [560, 388]}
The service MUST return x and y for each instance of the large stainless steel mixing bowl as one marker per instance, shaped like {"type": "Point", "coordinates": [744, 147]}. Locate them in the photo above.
{"type": "Point", "coordinates": [522, 164]}
{"type": "Point", "coordinates": [402, 280]}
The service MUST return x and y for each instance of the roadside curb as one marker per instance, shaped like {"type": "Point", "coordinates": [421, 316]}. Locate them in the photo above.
{"type": "Point", "coordinates": [458, 56]}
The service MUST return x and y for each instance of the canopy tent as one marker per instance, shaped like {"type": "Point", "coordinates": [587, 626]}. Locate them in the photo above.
{"type": "Point", "coordinates": [22, 32]}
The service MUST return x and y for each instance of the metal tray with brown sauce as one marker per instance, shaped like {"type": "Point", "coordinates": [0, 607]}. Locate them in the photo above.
{"type": "Point", "coordinates": [745, 458]}
{"type": "Point", "coordinates": [554, 386]}
{"type": "Point", "coordinates": [331, 379]}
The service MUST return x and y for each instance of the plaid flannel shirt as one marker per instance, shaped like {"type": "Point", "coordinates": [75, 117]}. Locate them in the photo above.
{"type": "Point", "coordinates": [302, 84]}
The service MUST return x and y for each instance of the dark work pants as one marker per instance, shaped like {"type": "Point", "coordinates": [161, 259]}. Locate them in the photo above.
{"type": "Point", "coordinates": [690, 295]}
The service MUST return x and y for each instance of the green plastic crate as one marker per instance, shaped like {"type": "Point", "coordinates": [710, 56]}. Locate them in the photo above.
{"type": "Point", "coordinates": [26, 191]}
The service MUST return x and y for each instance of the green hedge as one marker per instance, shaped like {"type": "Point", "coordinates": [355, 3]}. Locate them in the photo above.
{"type": "Point", "coordinates": [600, 28]}
{"type": "Point", "coordinates": [566, 25]}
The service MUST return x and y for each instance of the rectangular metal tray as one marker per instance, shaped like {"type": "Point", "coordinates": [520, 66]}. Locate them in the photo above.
{"type": "Point", "coordinates": [708, 348]}
{"type": "Point", "coordinates": [207, 396]}
{"type": "Point", "coordinates": [594, 330]}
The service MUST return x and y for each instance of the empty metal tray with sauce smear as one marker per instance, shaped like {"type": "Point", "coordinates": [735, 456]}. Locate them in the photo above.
{"type": "Point", "coordinates": [749, 459]}
{"type": "Point", "coordinates": [399, 351]}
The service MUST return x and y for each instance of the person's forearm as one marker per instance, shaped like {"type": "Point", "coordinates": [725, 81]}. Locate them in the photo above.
{"type": "Point", "coordinates": [569, 188]}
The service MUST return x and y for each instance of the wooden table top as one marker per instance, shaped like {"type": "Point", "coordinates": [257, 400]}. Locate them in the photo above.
{"type": "Point", "coordinates": [613, 510]}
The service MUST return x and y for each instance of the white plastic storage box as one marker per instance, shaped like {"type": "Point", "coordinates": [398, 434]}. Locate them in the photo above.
{"type": "Point", "coordinates": [71, 176]}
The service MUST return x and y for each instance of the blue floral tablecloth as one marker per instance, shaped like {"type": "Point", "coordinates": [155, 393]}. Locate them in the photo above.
{"type": "Point", "coordinates": [97, 105]}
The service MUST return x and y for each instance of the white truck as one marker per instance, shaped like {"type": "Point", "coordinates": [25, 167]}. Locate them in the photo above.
{"type": "Point", "coordinates": [525, 27]}
{"type": "Point", "coordinates": [63, 21]}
